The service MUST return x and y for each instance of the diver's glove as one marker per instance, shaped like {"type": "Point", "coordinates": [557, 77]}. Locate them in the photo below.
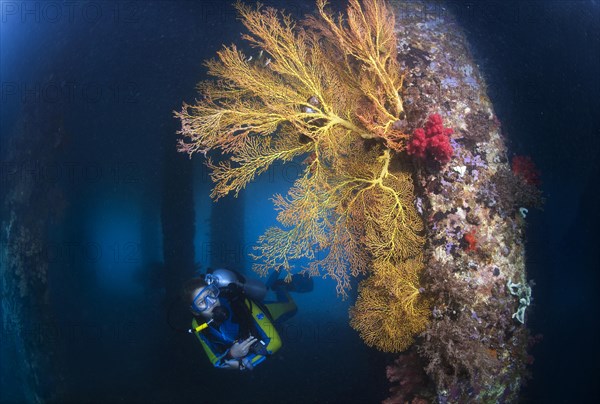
{"type": "Point", "coordinates": [241, 348]}
{"type": "Point", "coordinates": [246, 364]}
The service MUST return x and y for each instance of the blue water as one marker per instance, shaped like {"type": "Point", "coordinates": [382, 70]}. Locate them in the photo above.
{"type": "Point", "coordinates": [138, 219]}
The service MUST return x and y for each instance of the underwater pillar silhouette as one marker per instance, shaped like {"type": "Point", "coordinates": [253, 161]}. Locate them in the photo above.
{"type": "Point", "coordinates": [226, 244]}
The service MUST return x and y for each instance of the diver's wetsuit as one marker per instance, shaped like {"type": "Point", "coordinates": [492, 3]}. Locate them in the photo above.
{"type": "Point", "coordinates": [246, 318]}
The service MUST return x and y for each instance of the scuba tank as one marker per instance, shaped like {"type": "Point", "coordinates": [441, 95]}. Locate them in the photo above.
{"type": "Point", "coordinates": [253, 288]}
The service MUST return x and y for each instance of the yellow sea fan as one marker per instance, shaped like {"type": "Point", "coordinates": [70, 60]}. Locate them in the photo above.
{"type": "Point", "coordinates": [330, 85]}
{"type": "Point", "coordinates": [402, 281]}
{"type": "Point", "coordinates": [387, 315]}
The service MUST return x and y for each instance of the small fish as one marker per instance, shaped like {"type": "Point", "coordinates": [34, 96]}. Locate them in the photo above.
{"type": "Point", "coordinates": [249, 59]}
{"type": "Point", "coordinates": [267, 62]}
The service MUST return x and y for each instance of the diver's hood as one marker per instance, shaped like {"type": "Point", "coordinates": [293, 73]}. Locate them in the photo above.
{"type": "Point", "coordinates": [253, 288]}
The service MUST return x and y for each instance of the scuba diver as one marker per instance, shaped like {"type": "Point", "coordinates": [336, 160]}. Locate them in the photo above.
{"type": "Point", "coordinates": [231, 319]}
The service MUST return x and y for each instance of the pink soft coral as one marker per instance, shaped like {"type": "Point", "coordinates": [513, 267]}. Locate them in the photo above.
{"type": "Point", "coordinates": [408, 378]}
{"type": "Point", "coordinates": [433, 140]}
{"type": "Point", "coordinates": [525, 167]}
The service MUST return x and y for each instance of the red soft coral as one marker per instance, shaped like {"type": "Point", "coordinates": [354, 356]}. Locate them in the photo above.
{"type": "Point", "coordinates": [418, 144]}
{"type": "Point", "coordinates": [470, 239]}
{"type": "Point", "coordinates": [524, 167]}
{"type": "Point", "coordinates": [433, 140]}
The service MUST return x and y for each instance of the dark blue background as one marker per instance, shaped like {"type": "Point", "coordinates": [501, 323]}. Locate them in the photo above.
{"type": "Point", "coordinates": [542, 64]}
{"type": "Point", "coordinates": [112, 72]}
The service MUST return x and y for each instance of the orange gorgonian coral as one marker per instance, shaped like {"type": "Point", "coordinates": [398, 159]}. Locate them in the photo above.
{"type": "Point", "coordinates": [390, 309]}
{"type": "Point", "coordinates": [327, 89]}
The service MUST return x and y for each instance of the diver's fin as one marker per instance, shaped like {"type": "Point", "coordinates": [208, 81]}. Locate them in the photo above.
{"type": "Point", "coordinates": [301, 283]}
{"type": "Point", "coordinates": [272, 279]}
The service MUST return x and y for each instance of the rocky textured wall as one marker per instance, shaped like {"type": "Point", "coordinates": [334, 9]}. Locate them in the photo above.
{"type": "Point", "coordinates": [474, 349]}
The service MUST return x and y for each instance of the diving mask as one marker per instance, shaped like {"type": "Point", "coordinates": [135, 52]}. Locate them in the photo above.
{"type": "Point", "coordinates": [206, 298]}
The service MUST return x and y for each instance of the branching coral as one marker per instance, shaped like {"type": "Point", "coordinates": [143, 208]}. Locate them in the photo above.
{"type": "Point", "coordinates": [330, 90]}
